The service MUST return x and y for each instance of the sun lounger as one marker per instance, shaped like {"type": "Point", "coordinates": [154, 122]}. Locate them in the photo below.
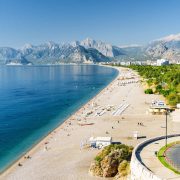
{"type": "Point", "coordinates": [121, 109]}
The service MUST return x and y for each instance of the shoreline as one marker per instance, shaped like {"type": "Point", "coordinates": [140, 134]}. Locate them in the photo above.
{"type": "Point", "coordinates": [43, 140]}
{"type": "Point", "coordinates": [64, 158]}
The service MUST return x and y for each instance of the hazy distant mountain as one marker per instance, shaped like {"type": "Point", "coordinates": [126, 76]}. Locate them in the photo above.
{"type": "Point", "coordinates": [106, 49]}
{"type": "Point", "coordinates": [90, 51]}
{"type": "Point", "coordinates": [167, 47]}
{"type": "Point", "coordinates": [7, 53]}
{"type": "Point", "coordinates": [20, 61]}
{"type": "Point", "coordinates": [51, 53]}
{"type": "Point", "coordinates": [132, 50]}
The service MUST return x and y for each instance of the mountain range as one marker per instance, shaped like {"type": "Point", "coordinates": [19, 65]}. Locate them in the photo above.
{"type": "Point", "coordinates": [167, 47]}
{"type": "Point", "coordinates": [90, 51]}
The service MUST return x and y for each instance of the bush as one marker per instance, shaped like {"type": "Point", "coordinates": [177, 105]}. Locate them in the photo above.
{"type": "Point", "coordinates": [173, 98]}
{"type": "Point", "coordinates": [148, 91]}
{"type": "Point", "coordinates": [165, 92]}
{"type": "Point", "coordinates": [98, 159]}
{"type": "Point", "coordinates": [111, 160]}
{"type": "Point", "coordinates": [158, 88]}
{"type": "Point", "coordinates": [124, 168]}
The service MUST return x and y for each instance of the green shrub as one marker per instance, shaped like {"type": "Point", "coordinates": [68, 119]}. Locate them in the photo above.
{"type": "Point", "coordinates": [158, 88]}
{"type": "Point", "coordinates": [98, 159]}
{"type": "Point", "coordinates": [122, 165]}
{"type": "Point", "coordinates": [148, 91]}
{"type": "Point", "coordinates": [165, 93]}
{"type": "Point", "coordinates": [124, 168]}
{"type": "Point", "coordinates": [173, 98]}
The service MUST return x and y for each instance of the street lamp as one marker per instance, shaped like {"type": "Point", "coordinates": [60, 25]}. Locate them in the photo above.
{"type": "Point", "coordinates": [167, 110]}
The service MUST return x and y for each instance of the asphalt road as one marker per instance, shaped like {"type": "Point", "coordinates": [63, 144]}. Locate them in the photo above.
{"type": "Point", "coordinates": [173, 154]}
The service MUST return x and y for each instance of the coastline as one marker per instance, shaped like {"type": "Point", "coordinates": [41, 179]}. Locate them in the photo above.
{"type": "Point", "coordinates": [65, 159]}
{"type": "Point", "coordinates": [42, 141]}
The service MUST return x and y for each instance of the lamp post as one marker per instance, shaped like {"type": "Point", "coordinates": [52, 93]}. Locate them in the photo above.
{"type": "Point", "coordinates": [166, 127]}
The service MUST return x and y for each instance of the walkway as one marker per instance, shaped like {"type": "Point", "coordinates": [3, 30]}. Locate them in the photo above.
{"type": "Point", "coordinates": [149, 159]}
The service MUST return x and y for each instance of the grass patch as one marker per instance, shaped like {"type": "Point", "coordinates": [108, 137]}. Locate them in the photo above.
{"type": "Point", "coordinates": [129, 138]}
{"type": "Point", "coordinates": [161, 157]}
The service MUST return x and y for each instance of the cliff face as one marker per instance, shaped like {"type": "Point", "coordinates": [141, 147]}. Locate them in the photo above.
{"type": "Point", "coordinates": [167, 47]}
{"type": "Point", "coordinates": [112, 161]}
{"type": "Point", "coordinates": [91, 51]}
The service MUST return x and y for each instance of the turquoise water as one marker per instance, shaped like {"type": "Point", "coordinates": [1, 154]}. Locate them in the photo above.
{"type": "Point", "coordinates": [36, 99]}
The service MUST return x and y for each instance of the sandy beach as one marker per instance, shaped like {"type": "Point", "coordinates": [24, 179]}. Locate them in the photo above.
{"type": "Point", "coordinates": [61, 155]}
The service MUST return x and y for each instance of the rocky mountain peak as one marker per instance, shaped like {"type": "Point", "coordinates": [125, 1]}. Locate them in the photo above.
{"type": "Point", "coordinates": [172, 37]}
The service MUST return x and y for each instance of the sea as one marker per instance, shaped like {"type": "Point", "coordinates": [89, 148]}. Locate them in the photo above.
{"type": "Point", "coordinates": [34, 100]}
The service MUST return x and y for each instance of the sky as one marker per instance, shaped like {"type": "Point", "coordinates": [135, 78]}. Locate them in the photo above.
{"type": "Point", "coordinates": [119, 22]}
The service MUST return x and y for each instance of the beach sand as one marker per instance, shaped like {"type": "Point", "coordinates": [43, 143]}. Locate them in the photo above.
{"type": "Point", "coordinates": [60, 156]}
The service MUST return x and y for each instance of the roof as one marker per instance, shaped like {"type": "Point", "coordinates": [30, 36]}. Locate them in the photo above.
{"type": "Point", "coordinates": [100, 139]}
{"type": "Point", "coordinates": [103, 138]}
{"type": "Point", "coordinates": [159, 107]}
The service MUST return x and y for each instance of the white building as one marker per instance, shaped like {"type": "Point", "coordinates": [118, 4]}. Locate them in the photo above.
{"type": "Point", "coordinates": [161, 62]}
{"type": "Point", "coordinates": [100, 142]}
{"type": "Point", "coordinates": [158, 103]}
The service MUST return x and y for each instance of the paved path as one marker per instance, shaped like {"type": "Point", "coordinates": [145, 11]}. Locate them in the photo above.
{"type": "Point", "coordinates": [150, 160]}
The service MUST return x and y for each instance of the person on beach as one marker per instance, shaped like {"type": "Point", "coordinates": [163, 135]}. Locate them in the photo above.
{"type": "Point", "coordinates": [19, 164]}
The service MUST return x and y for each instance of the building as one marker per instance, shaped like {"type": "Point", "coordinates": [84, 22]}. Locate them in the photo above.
{"type": "Point", "coordinates": [100, 142]}
{"type": "Point", "coordinates": [158, 103]}
{"type": "Point", "coordinates": [158, 107]}
{"type": "Point", "coordinates": [161, 62]}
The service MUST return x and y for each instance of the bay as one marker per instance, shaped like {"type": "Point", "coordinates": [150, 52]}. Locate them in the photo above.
{"type": "Point", "coordinates": [34, 100]}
